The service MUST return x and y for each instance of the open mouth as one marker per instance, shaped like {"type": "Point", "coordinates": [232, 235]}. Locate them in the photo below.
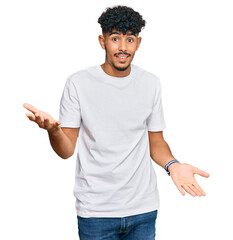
{"type": "Point", "coordinates": [122, 57]}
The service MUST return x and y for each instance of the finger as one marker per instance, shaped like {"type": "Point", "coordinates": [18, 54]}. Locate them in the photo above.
{"type": "Point", "coordinates": [47, 123]}
{"type": "Point", "coordinates": [194, 189]}
{"type": "Point", "coordinates": [189, 190]}
{"type": "Point", "coordinates": [30, 108]}
{"type": "Point", "coordinates": [58, 124]}
{"type": "Point", "coordinates": [181, 190]}
{"type": "Point", "coordinates": [199, 189]}
{"type": "Point", "coordinates": [31, 116]}
{"type": "Point", "coordinates": [39, 119]}
{"type": "Point", "coordinates": [201, 173]}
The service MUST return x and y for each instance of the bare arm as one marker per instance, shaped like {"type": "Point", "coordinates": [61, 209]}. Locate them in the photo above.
{"type": "Point", "coordinates": [159, 149]}
{"type": "Point", "coordinates": [62, 140]}
{"type": "Point", "coordinates": [182, 174]}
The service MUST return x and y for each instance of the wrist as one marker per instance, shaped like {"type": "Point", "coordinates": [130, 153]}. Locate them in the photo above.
{"type": "Point", "coordinates": [171, 165]}
{"type": "Point", "coordinates": [55, 132]}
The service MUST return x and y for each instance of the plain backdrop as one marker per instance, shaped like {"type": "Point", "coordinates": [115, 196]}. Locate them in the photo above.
{"type": "Point", "coordinates": [187, 44]}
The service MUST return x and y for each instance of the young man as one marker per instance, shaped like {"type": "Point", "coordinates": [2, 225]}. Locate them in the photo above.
{"type": "Point", "coordinates": [115, 110]}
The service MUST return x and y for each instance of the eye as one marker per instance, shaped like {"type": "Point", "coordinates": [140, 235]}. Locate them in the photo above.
{"type": "Point", "coordinates": [115, 39]}
{"type": "Point", "coordinates": [130, 40]}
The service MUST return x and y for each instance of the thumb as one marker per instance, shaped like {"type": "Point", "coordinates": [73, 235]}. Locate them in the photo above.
{"type": "Point", "coordinates": [201, 173]}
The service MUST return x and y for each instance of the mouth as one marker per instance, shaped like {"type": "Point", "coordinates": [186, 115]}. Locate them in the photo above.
{"type": "Point", "coordinates": [122, 57]}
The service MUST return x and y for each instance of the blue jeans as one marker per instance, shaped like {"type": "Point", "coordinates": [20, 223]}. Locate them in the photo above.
{"type": "Point", "coordinates": [135, 227]}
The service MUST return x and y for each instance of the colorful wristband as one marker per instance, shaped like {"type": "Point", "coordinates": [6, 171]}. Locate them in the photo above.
{"type": "Point", "coordinates": [168, 164]}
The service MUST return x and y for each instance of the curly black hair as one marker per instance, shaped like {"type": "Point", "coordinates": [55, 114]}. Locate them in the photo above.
{"type": "Point", "coordinates": [122, 19]}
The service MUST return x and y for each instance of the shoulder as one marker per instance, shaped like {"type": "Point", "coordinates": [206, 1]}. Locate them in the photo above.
{"type": "Point", "coordinates": [147, 75]}
{"type": "Point", "coordinates": [81, 75]}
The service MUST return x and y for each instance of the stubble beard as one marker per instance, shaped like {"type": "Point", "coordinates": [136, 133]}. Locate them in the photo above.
{"type": "Point", "coordinates": [120, 69]}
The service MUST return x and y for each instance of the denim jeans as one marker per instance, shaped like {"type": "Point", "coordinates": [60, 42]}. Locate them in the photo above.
{"type": "Point", "coordinates": [135, 227]}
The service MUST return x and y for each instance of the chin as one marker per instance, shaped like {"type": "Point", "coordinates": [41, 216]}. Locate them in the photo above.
{"type": "Point", "coordinates": [121, 68]}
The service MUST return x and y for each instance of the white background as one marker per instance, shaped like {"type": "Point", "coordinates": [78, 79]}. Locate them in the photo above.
{"type": "Point", "coordinates": [187, 44]}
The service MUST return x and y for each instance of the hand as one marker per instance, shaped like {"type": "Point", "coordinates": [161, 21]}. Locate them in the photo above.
{"type": "Point", "coordinates": [182, 175]}
{"type": "Point", "coordinates": [43, 119]}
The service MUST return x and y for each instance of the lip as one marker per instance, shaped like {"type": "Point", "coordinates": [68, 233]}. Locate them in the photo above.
{"type": "Point", "coordinates": [122, 59]}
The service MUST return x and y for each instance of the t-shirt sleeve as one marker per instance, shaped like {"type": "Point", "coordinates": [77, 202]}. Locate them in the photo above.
{"type": "Point", "coordinates": [155, 122]}
{"type": "Point", "coordinates": [70, 112]}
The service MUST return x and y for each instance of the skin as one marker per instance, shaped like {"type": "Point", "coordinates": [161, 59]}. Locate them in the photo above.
{"type": "Point", "coordinates": [63, 140]}
{"type": "Point", "coordinates": [182, 174]}
{"type": "Point", "coordinates": [115, 43]}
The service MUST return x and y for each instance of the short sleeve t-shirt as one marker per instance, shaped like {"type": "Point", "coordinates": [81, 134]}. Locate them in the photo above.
{"type": "Point", "coordinates": [114, 172]}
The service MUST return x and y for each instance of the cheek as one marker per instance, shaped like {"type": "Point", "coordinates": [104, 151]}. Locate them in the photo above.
{"type": "Point", "coordinates": [111, 46]}
{"type": "Point", "coordinates": [133, 47]}
{"type": "Point", "coordinates": [110, 52]}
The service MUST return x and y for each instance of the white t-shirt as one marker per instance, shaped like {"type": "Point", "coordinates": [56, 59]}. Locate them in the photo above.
{"type": "Point", "coordinates": [114, 172]}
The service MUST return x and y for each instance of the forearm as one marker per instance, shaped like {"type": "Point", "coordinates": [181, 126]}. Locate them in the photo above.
{"type": "Point", "coordinates": [61, 144]}
{"type": "Point", "coordinates": [161, 153]}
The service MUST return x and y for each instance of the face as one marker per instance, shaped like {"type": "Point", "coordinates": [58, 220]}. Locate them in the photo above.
{"type": "Point", "coordinates": [120, 49]}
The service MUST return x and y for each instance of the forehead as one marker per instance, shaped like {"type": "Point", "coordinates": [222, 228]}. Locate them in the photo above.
{"type": "Point", "coordinates": [114, 31]}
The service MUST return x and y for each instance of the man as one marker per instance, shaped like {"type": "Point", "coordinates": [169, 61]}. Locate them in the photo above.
{"type": "Point", "coordinates": [115, 110]}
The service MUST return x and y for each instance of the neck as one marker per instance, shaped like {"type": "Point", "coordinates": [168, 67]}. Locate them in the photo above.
{"type": "Point", "coordinates": [110, 70]}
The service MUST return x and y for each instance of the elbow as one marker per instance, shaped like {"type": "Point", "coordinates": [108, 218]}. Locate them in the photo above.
{"type": "Point", "coordinates": [66, 156]}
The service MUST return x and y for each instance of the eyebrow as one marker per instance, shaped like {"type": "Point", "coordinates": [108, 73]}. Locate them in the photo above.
{"type": "Point", "coordinates": [129, 34]}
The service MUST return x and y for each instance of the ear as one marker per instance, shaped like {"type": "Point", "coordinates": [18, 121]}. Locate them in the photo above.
{"type": "Point", "coordinates": [102, 41]}
{"type": "Point", "coordinates": [138, 42]}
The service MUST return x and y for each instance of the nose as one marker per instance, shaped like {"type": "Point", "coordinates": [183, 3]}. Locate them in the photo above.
{"type": "Point", "coordinates": [122, 46]}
